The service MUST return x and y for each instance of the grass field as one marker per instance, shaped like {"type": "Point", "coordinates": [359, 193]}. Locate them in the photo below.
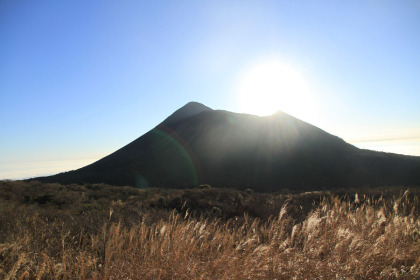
{"type": "Point", "coordinates": [50, 231]}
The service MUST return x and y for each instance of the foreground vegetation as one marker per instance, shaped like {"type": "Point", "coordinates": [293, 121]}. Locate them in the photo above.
{"type": "Point", "coordinates": [50, 231]}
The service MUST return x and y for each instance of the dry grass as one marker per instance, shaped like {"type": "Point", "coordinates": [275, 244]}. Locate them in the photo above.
{"type": "Point", "coordinates": [339, 239]}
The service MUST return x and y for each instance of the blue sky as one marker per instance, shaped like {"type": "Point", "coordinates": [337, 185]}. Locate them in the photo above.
{"type": "Point", "coordinates": [80, 79]}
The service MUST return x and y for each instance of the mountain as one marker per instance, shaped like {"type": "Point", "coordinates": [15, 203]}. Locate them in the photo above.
{"type": "Point", "coordinates": [198, 145]}
{"type": "Point", "coordinates": [188, 110]}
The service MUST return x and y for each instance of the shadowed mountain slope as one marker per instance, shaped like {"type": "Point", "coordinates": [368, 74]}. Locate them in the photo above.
{"type": "Point", "coordinates": [198, 145]}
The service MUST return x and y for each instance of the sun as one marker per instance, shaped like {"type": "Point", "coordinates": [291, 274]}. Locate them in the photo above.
{"type": "Point", "coordinates": [273, 86]}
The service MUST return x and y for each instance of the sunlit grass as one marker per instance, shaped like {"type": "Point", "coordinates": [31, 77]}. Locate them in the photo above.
{"type": "Point", "coordinates": [340, 238]}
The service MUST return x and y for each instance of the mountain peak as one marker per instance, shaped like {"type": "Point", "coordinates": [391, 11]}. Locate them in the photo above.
{"type": "Point", "coordinates": [188, 110]}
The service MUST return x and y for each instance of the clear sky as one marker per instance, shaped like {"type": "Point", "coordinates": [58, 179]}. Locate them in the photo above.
{"type": "Point", "coordinates": [80, 79]}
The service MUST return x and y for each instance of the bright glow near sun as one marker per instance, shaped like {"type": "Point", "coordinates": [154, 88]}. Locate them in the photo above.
{"type": "Point", "coordinates": [274, 86]}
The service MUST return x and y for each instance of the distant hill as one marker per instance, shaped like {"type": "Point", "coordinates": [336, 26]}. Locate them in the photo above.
{"type": "Point", "coordinates": [198, 145]}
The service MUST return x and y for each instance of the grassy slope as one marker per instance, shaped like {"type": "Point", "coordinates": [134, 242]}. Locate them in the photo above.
{"type": "Point", "coordinates": [50, 231]}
